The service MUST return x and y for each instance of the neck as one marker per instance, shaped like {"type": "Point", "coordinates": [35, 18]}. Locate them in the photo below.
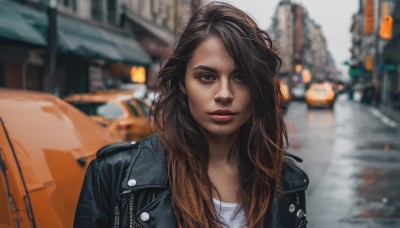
{"type": "Point", "coordinates": [223, 167]}
{"type": "Point", "coordinates": [221, 149]}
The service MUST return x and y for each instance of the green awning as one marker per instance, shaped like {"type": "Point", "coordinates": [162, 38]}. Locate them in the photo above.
{"type": "Point", "coordinates": [80, 38]}
{"type": "Point", "coordinates": [14, 26]}
{"type": "Point", "coordinates": [126, 47]}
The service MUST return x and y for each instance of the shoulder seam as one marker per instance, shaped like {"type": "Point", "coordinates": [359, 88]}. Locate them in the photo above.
{"type": "Point", "coordinates": [115, 147]}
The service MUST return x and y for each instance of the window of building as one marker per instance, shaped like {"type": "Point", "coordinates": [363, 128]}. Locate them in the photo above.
{"type": "Point", "coordinates": [156, 6]}
{"type": "Point", "coordinates": [97, 10]}
{"type": "Point", "coordinates": [112, 12]}
{"type": "Point", "coordinates": [70, 4]}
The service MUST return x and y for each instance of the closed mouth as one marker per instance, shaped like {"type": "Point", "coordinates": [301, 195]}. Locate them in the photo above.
{"type": "Point", "coordinates": [222, 112]}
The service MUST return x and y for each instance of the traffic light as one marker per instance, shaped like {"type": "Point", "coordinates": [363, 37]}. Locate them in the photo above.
{"type": "Point", "coordinates": [386, 27]}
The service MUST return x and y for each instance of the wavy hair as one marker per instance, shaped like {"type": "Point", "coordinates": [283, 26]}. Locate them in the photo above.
{"type": "Point", "coordinates": [261, 140]}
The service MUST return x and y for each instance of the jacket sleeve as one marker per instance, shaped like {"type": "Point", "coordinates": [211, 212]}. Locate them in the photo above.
{"type": "Point", "coordinates": [93, 207]}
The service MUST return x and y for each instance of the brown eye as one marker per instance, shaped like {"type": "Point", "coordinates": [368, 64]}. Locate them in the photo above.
{"type": "Point", "coordinates": [206, 77]}
{"type": "Point", "coordinates": [238, 78]}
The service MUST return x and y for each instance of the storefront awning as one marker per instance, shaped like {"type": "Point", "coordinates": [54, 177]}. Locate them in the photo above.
{"type": "Point", "coordinates": [14, 26]}
{"type": "Point", "coordinates": [80, 38]}
{"type": "Point", "coordinates": [94, 42]}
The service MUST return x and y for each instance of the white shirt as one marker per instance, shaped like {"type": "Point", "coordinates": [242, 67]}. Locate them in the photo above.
{"type": "Point", "coordinates": [228, 216]}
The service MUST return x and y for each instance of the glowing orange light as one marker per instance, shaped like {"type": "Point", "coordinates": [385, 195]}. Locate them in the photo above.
{"type": "Point", "coordinates": [138, 74]}
{"type": "Point", "coordinates": [306, 75]}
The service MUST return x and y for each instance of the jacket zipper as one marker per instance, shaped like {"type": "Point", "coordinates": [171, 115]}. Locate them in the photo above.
{"type": "Point", "coordinates": [116, 217]}
{"type": "Point", "coordinates": [303, 220]}
{"type": "Point", "coordinates": [302, 223]}
{"type": "Point", "coordinates": [132, 220]}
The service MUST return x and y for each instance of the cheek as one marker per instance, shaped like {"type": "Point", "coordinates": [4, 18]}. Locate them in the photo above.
{"type": "Point", "coordinates": [196, 100]}
{"type": "Point", "coordinates": [248, 105]}
{"type": "Point", "coordinates": [247, 101]}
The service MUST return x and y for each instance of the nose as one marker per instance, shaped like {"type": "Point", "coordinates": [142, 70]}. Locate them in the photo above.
{"type": "Point", "coordinates": [224, 93]}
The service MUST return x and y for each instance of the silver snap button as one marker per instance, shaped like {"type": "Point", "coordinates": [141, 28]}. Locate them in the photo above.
{"type": "Point", "coordinates": [145, 216]}
{"type": "Point", "coordinates": [300, 214]}
{"type": "Point", "coordinates": [305, 180]}
{"type": "Point", "coordinates": [131, 182]}
{"type": "Point", "coordinates": [291, 208]}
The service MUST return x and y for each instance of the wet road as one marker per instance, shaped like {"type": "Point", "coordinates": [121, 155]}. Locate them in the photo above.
{"type": "Point", "coordinates": [353, 161]}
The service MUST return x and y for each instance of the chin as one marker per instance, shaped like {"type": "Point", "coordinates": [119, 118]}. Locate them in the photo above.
{"type": "Point", "coordinates": [221, 131]}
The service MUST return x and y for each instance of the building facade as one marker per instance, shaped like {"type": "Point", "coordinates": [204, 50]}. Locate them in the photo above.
{"type": "Point", "coordinates": [303, 45]}
{"type": "Point", "coordinates": [374, 53]}
{"type": "Point", "coordinates": [99, 42]}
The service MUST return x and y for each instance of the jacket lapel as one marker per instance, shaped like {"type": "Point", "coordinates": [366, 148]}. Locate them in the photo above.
{"type": "Point", "coordinates": [142, 175]}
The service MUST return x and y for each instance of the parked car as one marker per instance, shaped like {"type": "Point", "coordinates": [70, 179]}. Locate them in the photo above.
{"type": "Point", "coordinates": [298, 91]}
{"type": "Point", "coordinates": [45, 148]}
{"type": "Point", "coordinates": [117, 110]}
{"type": "Point", "coordinates": [320, 94]}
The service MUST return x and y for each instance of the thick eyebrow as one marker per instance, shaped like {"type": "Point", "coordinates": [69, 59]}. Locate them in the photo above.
{"type": "Point", "coordinates": [202, 67]}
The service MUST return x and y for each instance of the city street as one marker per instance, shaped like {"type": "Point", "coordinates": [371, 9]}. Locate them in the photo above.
{"type": "Point", "coordinates": [352, 158]}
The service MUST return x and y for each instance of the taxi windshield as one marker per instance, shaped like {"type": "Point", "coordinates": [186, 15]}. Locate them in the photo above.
{"type": "Point", "coordinates": [109, 110]}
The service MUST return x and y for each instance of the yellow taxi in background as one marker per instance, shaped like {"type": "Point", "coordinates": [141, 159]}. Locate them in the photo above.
{"type": "Point", "coordinates": [320, 94]}
{"type": "Point", "coordinates": [45, 148]}
{"type": "Point", "coordinates": [117, 110]}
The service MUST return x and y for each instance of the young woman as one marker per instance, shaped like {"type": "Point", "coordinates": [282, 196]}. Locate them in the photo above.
{"type": "Point", "coordinates": [218, 158]}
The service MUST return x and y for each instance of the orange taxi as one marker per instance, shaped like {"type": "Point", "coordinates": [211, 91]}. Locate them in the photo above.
{"type": "Point", "coordinates": [320, 94]}
{"type": "Point", "coordinates": [117, 110]}
{"type": "Point", "coordinates": [45, 148]}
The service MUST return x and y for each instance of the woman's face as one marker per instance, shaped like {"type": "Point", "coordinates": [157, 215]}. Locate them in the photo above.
{"type": "Point", "coordinates": [218, 97]}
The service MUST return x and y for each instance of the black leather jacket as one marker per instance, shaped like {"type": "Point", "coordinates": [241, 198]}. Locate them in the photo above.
{"type": "Point", "coordinates": [127, 186]}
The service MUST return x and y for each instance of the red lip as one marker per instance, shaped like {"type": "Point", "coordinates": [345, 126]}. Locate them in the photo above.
{"type": "Point", "coordinates": [222, 115]}
{"type": "Point", "coordinates": [222, 112]}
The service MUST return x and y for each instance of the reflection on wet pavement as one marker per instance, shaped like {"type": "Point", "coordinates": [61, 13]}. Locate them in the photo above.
{"type": "Point", "coordinates": [385, 146]}
{"type": "Point", "coordinates": [353, 161]}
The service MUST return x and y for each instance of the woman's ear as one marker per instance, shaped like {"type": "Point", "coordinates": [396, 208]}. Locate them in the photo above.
{"type": "Point", "coordinates": [182, 87]}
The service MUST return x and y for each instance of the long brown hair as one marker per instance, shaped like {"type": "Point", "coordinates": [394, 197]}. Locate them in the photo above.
{"type": "Point", "coordinates": [261, 139]}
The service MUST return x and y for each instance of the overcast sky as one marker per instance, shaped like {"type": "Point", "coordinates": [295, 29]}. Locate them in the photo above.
{"type": "Point", "coordinates": [333, 16]}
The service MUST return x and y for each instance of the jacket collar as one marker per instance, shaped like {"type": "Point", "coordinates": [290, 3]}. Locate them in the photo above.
{"type": "Point", "coordinates": [147, 166]}
{"type": "Point", "coordinates": [293, 178]}
{"type": "Point", "coordinates": [147, 169]}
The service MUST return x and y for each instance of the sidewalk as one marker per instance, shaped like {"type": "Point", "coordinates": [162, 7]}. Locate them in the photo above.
{"type": "Point", "coordinates": [391, 113]}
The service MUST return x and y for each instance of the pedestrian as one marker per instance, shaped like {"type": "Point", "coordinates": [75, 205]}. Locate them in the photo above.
{"type": "Point", "coordinates": [217, 158]}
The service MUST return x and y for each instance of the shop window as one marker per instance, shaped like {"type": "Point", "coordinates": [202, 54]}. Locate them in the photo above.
{"type": "Point", "coordinates": [13, 73]}
{"type": "Point", "coordinates": [34, 78]}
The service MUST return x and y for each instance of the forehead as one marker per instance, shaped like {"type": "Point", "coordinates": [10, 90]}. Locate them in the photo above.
{"type": "Point", "coordinates": [211, 52]}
